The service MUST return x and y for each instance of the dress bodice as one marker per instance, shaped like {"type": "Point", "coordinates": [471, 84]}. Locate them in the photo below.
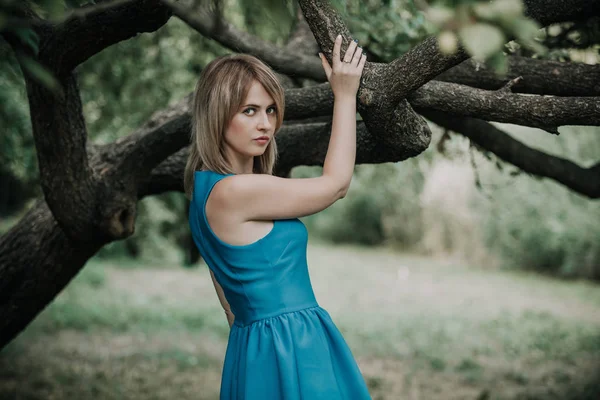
{"type": "Point", "coordinates": [263, 279]}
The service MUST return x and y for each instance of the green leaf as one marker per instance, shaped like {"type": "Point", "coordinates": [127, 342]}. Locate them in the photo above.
{"type": "Point", "coordinates": [499, 63]}
{"type": "Point", "coordinates": [484, 10]}
{"type": "Point", "coordinates": [439, 15]}
{"type": "Point", "coordinates": [499, 10]}
{"type": "Point", "coordinates": [508, 9]}
{"type": "Point", "coordinates": [447, 42]}
{"type": "Point", "coordinates": [482, 40]}
{"type": "Point", "coordinates": [526, 30]}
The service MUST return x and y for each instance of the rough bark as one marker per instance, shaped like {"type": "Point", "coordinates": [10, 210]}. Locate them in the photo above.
{"type": "Point", "coordinates": [37, 260]}
{"type": "Point", "coordinates": [538, 77]}
{"type": "Point", "coordinates": [552, 11]}
{"type": "Point", "coordinates": [418, 66]}
{"type": "Point", "coordinates": [544, 112]}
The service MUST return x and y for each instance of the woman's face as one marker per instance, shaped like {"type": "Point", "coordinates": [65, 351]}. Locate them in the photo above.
{"type": "Point", "coordinates": [253, 126]}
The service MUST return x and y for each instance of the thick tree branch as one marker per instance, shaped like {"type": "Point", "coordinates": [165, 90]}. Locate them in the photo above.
{"type": "Point", "coordinates": [78, 38]}
{"type": "Point", "coordinates": [544, 112]}
{"type": "Point", "coordinates": [309, 102]}
{"type": "Point", "coordinates": [166, 132]}
{"type": "Point", "coordinates": [167, 176]}
{"type": "Point", "coordinates": [60, 140]}
{"type": "Point", "coordinates": [37, 260]}
{"type": "Point", "coordinates": [582, 180]}
{"type": "Point", "coordinates": [539, 77]}
{"type": "Point", "coordinates": [295, 150]}
{"type": "Point", "coordinates": [418, 66]}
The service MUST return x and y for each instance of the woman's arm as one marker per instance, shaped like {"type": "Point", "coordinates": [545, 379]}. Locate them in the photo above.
{"type": "Point", "coordinates": [223, 300]}
{"type": "Point", "coordinates": [344, 77]}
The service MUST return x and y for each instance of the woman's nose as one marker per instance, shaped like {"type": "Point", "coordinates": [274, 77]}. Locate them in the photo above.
{"type": "Point", "coordinates": [264, 122]}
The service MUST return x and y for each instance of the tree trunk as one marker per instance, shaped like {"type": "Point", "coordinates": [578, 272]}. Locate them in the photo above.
{"type": "Point", "coordinates": [36, 262]}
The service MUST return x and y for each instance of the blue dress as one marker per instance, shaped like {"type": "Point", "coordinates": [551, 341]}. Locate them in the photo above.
{"type": "Point", "coordinates": [282, 345]}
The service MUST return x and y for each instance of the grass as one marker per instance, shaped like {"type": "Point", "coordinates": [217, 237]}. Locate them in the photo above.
{"type": "Point", "coordinates": [420, 329]}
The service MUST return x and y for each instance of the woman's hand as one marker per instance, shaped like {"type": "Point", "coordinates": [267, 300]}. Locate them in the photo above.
{"type": "Point", "coordinates": [344, 76]}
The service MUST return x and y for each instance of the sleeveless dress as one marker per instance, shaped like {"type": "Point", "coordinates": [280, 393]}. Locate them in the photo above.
{"type": "Point", "coordinates": [282, 345]}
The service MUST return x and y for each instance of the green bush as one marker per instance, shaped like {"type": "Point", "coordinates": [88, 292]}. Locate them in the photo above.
{"type": "Point", "coordinates": [550, 231]}
{"type": "Point", "coordinates": [358, 221]}
{"type": "Point", "coordinates": [538, 224]}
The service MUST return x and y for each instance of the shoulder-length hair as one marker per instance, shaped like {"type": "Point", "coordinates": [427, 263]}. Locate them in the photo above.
{"type": "Point", "coordinates": [220, 92]}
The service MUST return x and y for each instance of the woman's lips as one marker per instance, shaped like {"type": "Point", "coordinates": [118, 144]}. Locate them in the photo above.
{"type": "Point", "coordinates": [262, 140]}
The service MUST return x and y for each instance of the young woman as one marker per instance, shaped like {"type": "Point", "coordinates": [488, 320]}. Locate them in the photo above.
{"type": "Point", "coordinates": [244, 220]}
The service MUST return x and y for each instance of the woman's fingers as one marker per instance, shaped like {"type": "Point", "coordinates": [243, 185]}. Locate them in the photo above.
{"type": "Point", "coordinates": [361, 63]}
{"type": "Point", "coordinates": [337, 47]}
{"type": "Point", "coordinates": [326, 65]}
{"type": "Point", "coordinates": [357, 56]}
{"type": "Point", "coordinates": [350, 52]}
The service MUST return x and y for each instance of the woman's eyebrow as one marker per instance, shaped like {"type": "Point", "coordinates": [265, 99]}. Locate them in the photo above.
{"type": "Point", "coordinates": [257, 106]}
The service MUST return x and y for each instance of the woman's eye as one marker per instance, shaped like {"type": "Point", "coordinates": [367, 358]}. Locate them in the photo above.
{"type": "Point", "coordinates": [249, 111]}
{"type": "Point", "coordinates": [271, 110]}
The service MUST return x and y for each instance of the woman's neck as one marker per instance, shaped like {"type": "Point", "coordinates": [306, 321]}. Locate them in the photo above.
{"type": "Point", "coordinates": [241, 165]}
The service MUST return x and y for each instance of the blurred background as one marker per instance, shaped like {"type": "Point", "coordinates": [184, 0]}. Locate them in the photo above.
{"type": "Point", "coordinates": [452, 275]}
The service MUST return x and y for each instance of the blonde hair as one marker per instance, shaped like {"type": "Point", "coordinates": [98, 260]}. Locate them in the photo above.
{"type": "Point", "coordinates": [220, 92]}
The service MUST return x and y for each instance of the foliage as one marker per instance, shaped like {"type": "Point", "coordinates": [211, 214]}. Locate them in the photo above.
{"type": "Point", "coordinates": [387, 29]}
{"type": "Point", "coordinates": [359, 222]}
{"type": "Point", "coordinates": [16, 23]}
{"type": "Point", "coordinates": [268, 19]}
{"type": "Point", "coordinates": [17, 156]}
{"type": "Point", "coordinates": [152, 71]}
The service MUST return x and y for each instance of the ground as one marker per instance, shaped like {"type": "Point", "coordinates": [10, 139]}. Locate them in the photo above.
{"type": "Point", "coordinates": [420, 328]}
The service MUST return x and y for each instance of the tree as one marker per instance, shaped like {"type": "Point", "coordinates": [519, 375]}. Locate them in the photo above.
{"type": "Point", "coordinates": [91, 191]}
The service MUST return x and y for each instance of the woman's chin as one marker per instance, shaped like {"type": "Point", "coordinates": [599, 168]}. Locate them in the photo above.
{"type": "Point", "coordinates": [258, 152]}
